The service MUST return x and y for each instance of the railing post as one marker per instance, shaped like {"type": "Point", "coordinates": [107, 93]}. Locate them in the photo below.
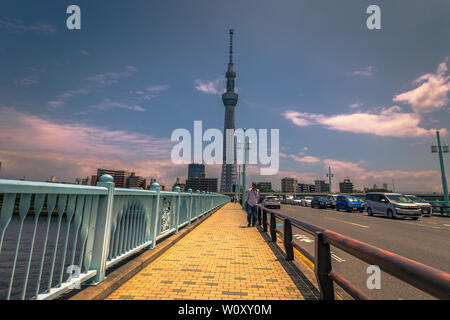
{"type": "Point", "coordinates": [198, 206]}
{"type": "Point", "coordinates": [102, 233]}
{"type": "Point", "coordinates": [264, 220]}
{"type": "Point", "coordinates": [259, 215]}
{"type": "Point", "coordinates": [190, 206]}
{"type": "Point", "coordinates": [322, 268]}
{"type": "Point", "coordinates": [273, 231]}
{"type": "Point", "coordinates": [177, 218]}
{"type": "Point", "coordinates": [155, 187]}
{"type": "Point", "coordinates": [288, 240]}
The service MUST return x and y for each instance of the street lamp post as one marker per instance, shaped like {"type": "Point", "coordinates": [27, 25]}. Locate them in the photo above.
{"type": "Point", "coordinates": [441, 149]}
{"type": "Point", "coordinates": [244, 146]}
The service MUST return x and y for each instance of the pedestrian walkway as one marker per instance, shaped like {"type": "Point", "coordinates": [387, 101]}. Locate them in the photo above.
{"type": "Point", "coordinates": [220, 259]}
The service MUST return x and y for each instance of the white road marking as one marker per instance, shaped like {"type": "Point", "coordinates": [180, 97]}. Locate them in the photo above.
{"type": "Point", "coordinates": [303, 238]}
{"type": "Point", "coordinates": [447, 225]}
{"type": "Point", "coordinates": [355, 224]}
{"type": "Point", "coordinates": [335, 257]}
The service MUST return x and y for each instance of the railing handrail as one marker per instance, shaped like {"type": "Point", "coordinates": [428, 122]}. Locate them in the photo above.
{"type": "Point", "coordinates": [19, 186]}
{"type": "Point", "coordinates": [428, 279]}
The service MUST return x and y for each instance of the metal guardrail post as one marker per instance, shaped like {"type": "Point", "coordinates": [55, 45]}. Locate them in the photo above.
{"type": "Point", "coordinates": [287, 232]}
{"type": "Point", "coordinates": [177, 218]}
{"type": "Point", "coordinates": [155, 187]}
{"type": "Point", "coordinates": [100, 248]}
{"type": "Point", "coordinates": [259, 215]}
{"type": "Point", "coordinates": [190, 206]}
{"type": "Point", "coordinates": [273, 231]}
{"type": "Point", "coordinates": [322, 268]}
{"type": "Point", "coordinates": [198, 203]}
{"type": "Point", "coordinates": [264, 220]}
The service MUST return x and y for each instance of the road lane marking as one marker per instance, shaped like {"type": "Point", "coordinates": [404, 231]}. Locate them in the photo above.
{"type": "Point", "coordinates": [447, 225]}
{"type": "Point", "coordinates": [335, 257]}
{"type": "Point", "coordinates": [422, 225]}
{"type": "Point", "coordinates": [303, 238]}
{"type": "Point", "coordinates": [355, 224]}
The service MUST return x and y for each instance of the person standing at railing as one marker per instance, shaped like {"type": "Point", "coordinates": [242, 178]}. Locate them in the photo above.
{"type": "Point", "coordinates": [251, 202]}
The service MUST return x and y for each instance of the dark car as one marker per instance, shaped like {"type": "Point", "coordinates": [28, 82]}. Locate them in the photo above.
{"type": "Point", "coordinates": [319, 202]}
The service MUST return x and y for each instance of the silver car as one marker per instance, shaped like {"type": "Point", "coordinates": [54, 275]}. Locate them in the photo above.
{"type": "Point", "coordinates": [424, 205]}
{"type": "Point", "coordinates": [392, 205]}
{"type": "Point", "coordinates": [306, 201]}
{"type": "Point", "coordinates": [271, 202]}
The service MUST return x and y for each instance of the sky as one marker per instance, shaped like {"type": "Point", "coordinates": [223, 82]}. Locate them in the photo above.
{"type": "Point", "coordinates": [365, 102]}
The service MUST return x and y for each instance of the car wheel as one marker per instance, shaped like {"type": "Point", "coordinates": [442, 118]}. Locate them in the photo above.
{"type": "Point", "coordinates": [390, 214]}
{"type": "Point", "coordinates": [369, 212]}
{"type": "Point", "coordinates": [415, 218]}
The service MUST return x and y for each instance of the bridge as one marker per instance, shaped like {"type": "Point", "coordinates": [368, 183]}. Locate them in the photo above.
{"type": "Point", "coordinates": [110, 243]}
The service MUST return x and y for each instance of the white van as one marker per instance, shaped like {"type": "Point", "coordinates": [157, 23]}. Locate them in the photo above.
{"type": "Point", "coordinates": [392, 205]}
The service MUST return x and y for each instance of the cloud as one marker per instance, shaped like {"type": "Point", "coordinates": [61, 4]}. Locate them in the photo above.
{"type": "Point", "coordinates": [367, 72]}
{"type": "Point", "coordinates": [158, 88]}
{"type": "Point", "coordinates": [27, 81]}
{"type": "Point", "coordinates": [112, 77]}
{"type": "Point", "coordinates": [432, 92]}
{"type": "Point", "coordinates": [108, 104]}
{"type": "Point", "coordinates": [19, 26]}
{"type": "Point", "coordinates": [389, 122]}
{"type": "Point", "coordinates": [212, 87]}
{"type": "Point", "coordinates": [84, 53]}
{"type": "Point", "coordinates": [304, 159]}
{"type": "Point", "coordinates": [56, 103]}
{"type": "Point", "coordinates": [39, 148]}
{"type": "Point", "coordinates": [356, 105]}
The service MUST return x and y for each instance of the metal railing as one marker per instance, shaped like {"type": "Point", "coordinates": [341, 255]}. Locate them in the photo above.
{"type": "Point", "coordinates": [428, 279]}
{"type": "Point", "coordinates": [83, 230]}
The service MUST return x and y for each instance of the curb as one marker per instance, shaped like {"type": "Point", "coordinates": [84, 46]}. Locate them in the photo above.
{"type": "Point", "coordinates": [124, 273]}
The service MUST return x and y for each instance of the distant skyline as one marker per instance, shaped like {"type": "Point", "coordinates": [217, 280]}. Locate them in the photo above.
{"type": "Point", "coordinates": [365, 102]}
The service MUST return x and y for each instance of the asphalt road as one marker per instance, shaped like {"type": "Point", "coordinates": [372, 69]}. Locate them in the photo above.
{"type": "Point", "coordinates": [425, 240]}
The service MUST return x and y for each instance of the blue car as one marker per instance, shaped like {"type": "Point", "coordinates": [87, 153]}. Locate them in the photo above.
{"type": "Point", "coordinates": [349, 204]}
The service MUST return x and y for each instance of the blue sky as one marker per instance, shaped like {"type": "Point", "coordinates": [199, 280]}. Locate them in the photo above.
{"type": "Point", "coordinates": [364, 101]}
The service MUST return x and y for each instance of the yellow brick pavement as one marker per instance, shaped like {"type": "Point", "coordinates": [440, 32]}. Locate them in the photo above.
{"type": "Point", "coordinates": [221, 259]}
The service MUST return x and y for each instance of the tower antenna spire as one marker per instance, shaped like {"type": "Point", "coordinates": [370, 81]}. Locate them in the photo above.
{"type": "Point", "coordinates": [231, 45]}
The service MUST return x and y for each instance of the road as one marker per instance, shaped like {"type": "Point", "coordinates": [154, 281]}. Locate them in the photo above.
{"type": "Point", "coordinates": [425, 240]}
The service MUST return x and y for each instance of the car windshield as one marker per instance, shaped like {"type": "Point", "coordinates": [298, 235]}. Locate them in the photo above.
{"type": "Point", "coordinates": [323, 198]}
{"type": "Point", "coordinates": [271, 198]}
{"type": "Point", "coordinates": [353, 199]}
{"type": "Point", "coordinates": [417, 199]}
{"type": "Point", "coordinates": [399, 198]}
{"type": "Point", "coordinates": [308, 198]}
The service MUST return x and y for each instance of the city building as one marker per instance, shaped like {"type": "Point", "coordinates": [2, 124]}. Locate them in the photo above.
{"type": "Point", "coordinates": [346, 186]}
{"type": "Point", "coordinates": [202, 183]}
{"type": "Point", "coordinates": [136, 182]}
{"type": "Point", "coordinates": [195, 169]}
{"type": "Point", "coordinates": [306, 187]}
{"type": "Point", "coordinates": [265, 185]}
{"type": "Point", "coordinates": [321, 186]}
{"type": "Point", "coordinates": [180, 184]}
{"type": "Point", "coordinates": [385, 186]}
{"type": "Point", "coordinates": [122, 178]}
{"type": "Point", "coordinates": [83, 181]}
{"type": "Point", "coordinates": [288, 185]}
{"type": "Point", "coordinates": [230, 99]}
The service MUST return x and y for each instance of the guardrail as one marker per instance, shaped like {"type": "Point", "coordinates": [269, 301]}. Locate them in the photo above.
{"type": "Point", "coordinates": [440, 207]}
{"type": "Point", "coordinates": [87, 229]}
{"type": "Point", "coordinates": [423, 277]}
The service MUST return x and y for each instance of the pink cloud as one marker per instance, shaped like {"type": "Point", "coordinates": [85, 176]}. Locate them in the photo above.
{"type": "Point", "coordinates": [212, 87]}
{"type": "Point", "coordinates": [389, 122]}
{"type": "Point", "coordinates": [38, 149]}
{"type": "Point", "coordinates": [432, 92]}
